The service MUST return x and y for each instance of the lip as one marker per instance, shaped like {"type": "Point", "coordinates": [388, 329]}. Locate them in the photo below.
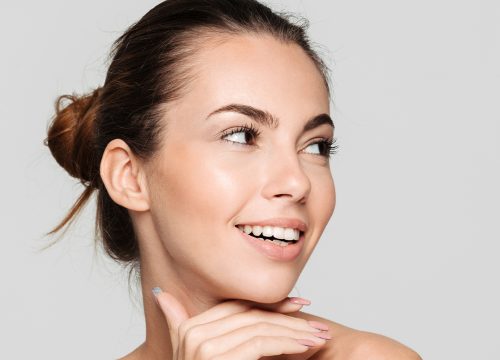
{"type": "Point", "coordinates": [281, 222]}
{"type": "Point", "coordinates": [273, 251]}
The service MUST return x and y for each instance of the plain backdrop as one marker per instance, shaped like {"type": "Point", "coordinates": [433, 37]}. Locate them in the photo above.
{"type": "Point", "coordinates": [412, 250]}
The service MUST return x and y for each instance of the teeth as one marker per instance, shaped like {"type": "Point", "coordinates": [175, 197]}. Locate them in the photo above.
{"type": "Point", "coordinates": [267, 231]}
{"type": "Point", "coordinates": [271, 231]}
{"type": "Point", "coordinates": [289, 234]}
{"type": "Point", "coordinates": [278, 242]}
{"type": "Point", "coordinates": [279, 232]}
{"type": "Point", "coordinates": [257, 230]}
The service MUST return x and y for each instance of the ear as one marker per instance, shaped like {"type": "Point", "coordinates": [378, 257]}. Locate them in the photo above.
{"type": "Point", "coordinates": [124, 177]}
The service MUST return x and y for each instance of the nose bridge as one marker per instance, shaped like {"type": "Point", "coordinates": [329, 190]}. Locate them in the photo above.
{"type": "Point", "coordinates": [285, 176]}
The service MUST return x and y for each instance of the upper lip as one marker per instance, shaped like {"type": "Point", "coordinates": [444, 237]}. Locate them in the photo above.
{"type": "Point", "coordinates": [281, 222]}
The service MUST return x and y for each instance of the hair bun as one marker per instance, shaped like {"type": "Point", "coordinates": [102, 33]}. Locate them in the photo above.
{"type": "Point", "coordinates": [70, 136]}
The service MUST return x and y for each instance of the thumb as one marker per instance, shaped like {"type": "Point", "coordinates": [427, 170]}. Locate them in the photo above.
{"type": "Point", "coordinates": [174, 313]}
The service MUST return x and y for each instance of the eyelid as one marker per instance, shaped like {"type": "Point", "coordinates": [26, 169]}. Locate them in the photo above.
{"type": "Point", "coordinates": [329, 142]}
{"type": "Point", "coordinates": [242, 128]}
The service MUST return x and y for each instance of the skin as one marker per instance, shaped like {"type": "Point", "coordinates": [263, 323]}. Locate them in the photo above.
{"type": "Point", "coordinates": [186, 201]}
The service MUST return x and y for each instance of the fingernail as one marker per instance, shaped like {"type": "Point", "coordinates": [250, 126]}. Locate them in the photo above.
{"type": "Point", "coordinates": [306, 342]}
{"type": "Point", "coordinates": [299, 300]}
{"type": "Point", "coordinates": [323, 335]}
{"type": "Point", "coordinates": [156, 291]}
{"type": "Point", "coordinates": [318, 325]}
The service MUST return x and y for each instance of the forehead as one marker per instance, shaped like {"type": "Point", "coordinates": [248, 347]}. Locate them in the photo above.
{"type": "Point", "coordinates": [258, 70]}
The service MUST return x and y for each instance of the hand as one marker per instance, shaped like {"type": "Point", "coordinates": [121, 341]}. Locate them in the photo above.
{"type": "Point", "coordinates": [237, 329]}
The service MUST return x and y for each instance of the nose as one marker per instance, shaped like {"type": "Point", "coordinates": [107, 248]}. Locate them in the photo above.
{"type": "Point", "coordinates": [285, 178]}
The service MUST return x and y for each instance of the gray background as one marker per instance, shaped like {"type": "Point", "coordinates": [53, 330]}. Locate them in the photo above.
{"type": "Point", "coordinates": [412, 248]}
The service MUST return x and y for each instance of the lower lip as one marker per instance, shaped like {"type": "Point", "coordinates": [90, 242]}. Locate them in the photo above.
{"type": "Point", "coordinates": [274, 251]}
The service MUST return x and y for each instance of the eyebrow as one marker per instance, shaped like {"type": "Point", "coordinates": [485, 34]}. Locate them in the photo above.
{"type": "Point", "coordinates": [267, 119]}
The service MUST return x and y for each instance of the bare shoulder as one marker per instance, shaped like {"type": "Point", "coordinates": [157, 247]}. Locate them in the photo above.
{"type": "Point", "coordinates": [351, 344]}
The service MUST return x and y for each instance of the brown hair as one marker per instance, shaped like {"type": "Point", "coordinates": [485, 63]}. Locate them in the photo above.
{"type": "Point", "coordinates": [148, 69]}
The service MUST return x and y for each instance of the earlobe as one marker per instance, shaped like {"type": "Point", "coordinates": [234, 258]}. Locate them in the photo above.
{"type": "Point", "coordinates": [123, 176]}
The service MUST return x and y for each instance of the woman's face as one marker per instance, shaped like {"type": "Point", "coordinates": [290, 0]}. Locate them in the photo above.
{"type": "Point", "coordinates": [205, 181]}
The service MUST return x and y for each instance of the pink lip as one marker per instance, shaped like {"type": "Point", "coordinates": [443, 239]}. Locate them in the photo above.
{"type": "Point", "coordinates": [273, 251]}
{"type": "Point", "coordinates": [281, 222]}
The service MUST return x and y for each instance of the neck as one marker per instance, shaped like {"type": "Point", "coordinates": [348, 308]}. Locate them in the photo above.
{"type": "Point", "coordinates": [159, 269]}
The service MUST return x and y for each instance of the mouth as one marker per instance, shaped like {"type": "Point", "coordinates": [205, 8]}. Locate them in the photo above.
{"type": "Point", "coordinates": [282, 236]}
{"type": "Point", "coordinates": [281, 244]}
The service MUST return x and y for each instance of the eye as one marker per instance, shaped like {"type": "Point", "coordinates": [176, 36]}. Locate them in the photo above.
{"type": "Point", "coordinates": [324, 147]}
{"type": "Point", "coordinates": [244, 135]}
{"type": "Point", "coordinates": [247, 135]}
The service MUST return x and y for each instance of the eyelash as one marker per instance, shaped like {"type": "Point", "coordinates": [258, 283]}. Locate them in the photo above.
{"type": "Point", "coordinates": [330, 144]}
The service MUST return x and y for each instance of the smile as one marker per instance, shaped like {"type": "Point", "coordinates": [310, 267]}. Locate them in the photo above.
{"type": "Point", "coordinates": [273, 248]}
{"type": "Point", "coordinates": [279, 235]}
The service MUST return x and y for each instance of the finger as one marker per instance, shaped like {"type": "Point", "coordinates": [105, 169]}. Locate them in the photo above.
{"type": "Point", "coordinates": [286, 305]}
{"type": "Point", "coordinates": [197, 333]}
{"type": "Point", "coordinates": [255, 315]}
{"type": "Point", "coordinates": [174, 312]}
{"type": "Point", "coordinates": [221, 344]}
{"type": "Point", "coordinates": [231, 307]}
{"type": "Point", "coordinates": [221, 311]}
{"type": "Point", "coordinates": [261, 346]}
{"type": "Point", "coordinates": [193, 337]}
{"type": "Point", "coordinates": [179, 322]}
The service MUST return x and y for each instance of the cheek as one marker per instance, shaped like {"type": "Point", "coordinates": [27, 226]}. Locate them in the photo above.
{"type": "Point", "coordinates": [332, 195]}
{"type": "Point", "coordinates": [198, 187]}
{"type": "Point", "coordinates": [323, 198]}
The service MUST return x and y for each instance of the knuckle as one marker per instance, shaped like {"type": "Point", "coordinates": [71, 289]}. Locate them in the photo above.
{"type": "Point", "coordinates": [303, 323]}
{"type": "Point", "coordinates": [206, 350]}
{"type": "Point", "coordinates": [254, 311]}
{"type": "Point", "coordinates": [263, 326]}
{"type": "Point", "coordinates": [193, 335]}
{"type": "Point", "coordinates": [183, 328]}
{"type": "Point", "coordinates": [260, 314]}
{"type": "Point", "coordinates": [258, 342]}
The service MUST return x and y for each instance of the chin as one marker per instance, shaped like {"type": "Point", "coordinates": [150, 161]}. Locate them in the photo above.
{"type": "Point", "coordinates": [243, 278]}
{"type": "Point", "coordinates": [270, 298]}
{"type": "Point", "coordinates": [266, 292]}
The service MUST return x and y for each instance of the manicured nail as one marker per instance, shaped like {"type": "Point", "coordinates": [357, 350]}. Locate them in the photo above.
{"type": "Point", "coordinates": [323, 335]}
{"type": "Point", "coordinates": [306, 342]}
{"type": "Point", "coordinates": [299, 300]}
{"type": "Point", "coordinates": [157, 291]}
{"type": "Point", "coordinates": [318, 325]}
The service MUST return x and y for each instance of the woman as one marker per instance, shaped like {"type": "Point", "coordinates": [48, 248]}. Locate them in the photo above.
{"type": "Point", "coordinates": [208, 146]}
